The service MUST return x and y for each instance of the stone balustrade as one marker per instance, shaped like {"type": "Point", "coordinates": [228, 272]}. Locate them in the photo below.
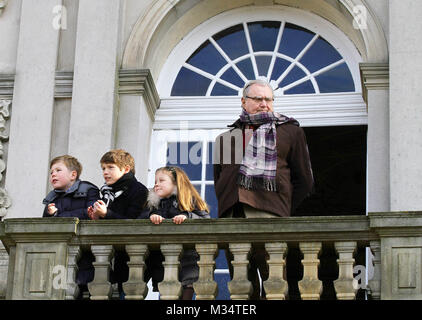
{"type": "Point", "coordinates": [43, 254]}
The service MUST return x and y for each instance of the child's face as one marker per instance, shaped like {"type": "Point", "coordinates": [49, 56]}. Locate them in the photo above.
{"type": "Point", "coordinates": [61, 178]}
{"type": "Point", "coordinates": [164, 185]}
{"type": "Point", "coordinates": [112, 173]}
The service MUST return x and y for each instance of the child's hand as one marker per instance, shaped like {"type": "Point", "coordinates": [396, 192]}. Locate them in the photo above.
{"type": "Point", "coordinates": [51, 209]}
{"type": "Point", "coordinates": [179, 219]}
{"type": "Point", "coordinates": [91, 213]}
{"type": "Point", "coordinates": [100, 208]}
{"type": "Point", "coordinates": [156, 219]}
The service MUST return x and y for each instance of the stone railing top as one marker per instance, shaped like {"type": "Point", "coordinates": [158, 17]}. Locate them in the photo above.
{"type": "Point", "coordinates": [222, 231]}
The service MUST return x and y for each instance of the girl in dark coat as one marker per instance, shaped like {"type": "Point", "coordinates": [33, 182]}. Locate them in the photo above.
{"type": "Point", "coordinates": [174, 197]}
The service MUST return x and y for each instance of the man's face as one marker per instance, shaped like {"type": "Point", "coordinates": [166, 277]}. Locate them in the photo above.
{"type": "Point", "coordinates": [259, 99]}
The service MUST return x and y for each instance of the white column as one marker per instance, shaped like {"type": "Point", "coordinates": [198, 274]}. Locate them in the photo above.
{"type": "Point", "coordinates": [92, 119]}
{"type": "Point", "coordinates": [375, 82]}
{"type": "Point", "coordinates": [139, 101]}
{"type": "Point", "coordinates": [405, 105]}
{"type": "Point", "coordinates": [33, 100]}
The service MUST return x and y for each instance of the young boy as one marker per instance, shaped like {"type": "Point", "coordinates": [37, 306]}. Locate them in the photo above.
{"type": "Point", "coordinates": [71, 197]}
{"type": "Point", "coordinates": [122, 197]}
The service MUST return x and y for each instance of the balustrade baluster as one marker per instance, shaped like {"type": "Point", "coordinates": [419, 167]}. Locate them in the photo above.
{"type": "Point", "coordinates": [240, 287]}
{"type": "Point", "coordinates": [135, 288]}
{"type": "Point", "coordinates": [72, 289]}
{"type": "Point", "coordinates": [310, 286]}
{"type": "Point", "coordinates": [170, 288]}
{"type": "Point", "coordinates": [375, 282]}
{"type": "Point", "coordinates": [206, 288]}
{"type": "Point", "coordinates": [345, 285]}
{"type": "Point", "coordinates": [276, 286]}
{"type": "Point", "coordinates": [100, 288]}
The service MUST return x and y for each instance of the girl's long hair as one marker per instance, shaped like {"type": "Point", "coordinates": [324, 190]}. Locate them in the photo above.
{"type": "Point", "coordinates": [187, 196]}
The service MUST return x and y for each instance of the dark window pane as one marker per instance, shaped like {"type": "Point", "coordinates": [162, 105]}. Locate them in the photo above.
{"type": "Point", "coordinates": [295, 74]}
{"type": "Point", "coordinates": [186, 155]}
{"type": "Point", "coordinates": [264, 35]}
{"type": "Point", "coordinates": [263, 63]}
{"type": "Point", "coordinates": [294, 39]}
{"type": "Point", "coordinates": [189, 83]}
{"type": "Point", "coordinates": [211, 200]}
{"type": "Point", "coordinates": [338, 79]}
{"type": "Point", "coordinates": [207, 58]}
{"type": "Point", "coordinates": [222, 90]}
{"type": "Point", "coordinates": [280, 66]}
{"type": "Point", "coordinates": [233, 41]}
{"type": "Point", "coordinates": [247, 69]}
{"type": "Point", "coordinates": [231, 76]}
{"type": "Point", "coordinates": [302, 88]}
{"type": "Point", "coordinates": [209, 170]}
{"type": "Point", "coordinates": [223, 291]}
{"type": "Point", "coordinates": [320, 55]}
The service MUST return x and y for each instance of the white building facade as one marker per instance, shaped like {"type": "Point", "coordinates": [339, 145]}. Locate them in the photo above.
{"type": "Point", "coordinates": [162, 78]}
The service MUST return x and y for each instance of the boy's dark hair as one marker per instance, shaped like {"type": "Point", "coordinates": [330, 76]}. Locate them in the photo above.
{"type": "Point", "coordinates": [120, 158]}
{"type": "Point", "coordinates": [70, 162]}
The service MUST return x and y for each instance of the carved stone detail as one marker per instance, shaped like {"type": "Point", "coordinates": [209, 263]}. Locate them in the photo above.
{"type": "Point", "coordinates": [5, 201]}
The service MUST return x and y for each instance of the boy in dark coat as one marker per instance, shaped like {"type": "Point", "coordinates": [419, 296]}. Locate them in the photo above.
{"type": "Point", "coordinates": [71, 197]}
{"type": "Point", "coordinates": [122, 197]}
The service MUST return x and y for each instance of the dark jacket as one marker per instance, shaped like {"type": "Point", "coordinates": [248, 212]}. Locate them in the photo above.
{"type": "Point", "coordinates": [129, 204]}
{"type": "Point", "coordinates": [168, 208]}
{"type": "Point", "coordinates": [73, 202]}
{"type": "Point", "coordinates": [294, 180]}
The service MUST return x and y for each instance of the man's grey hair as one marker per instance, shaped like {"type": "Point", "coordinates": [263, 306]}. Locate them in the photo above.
{"type": "Point", "coordinates": [259, 82]}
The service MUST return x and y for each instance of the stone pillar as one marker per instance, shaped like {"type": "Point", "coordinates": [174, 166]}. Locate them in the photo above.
{"type": "Point", "coordinates": [73, 255]}
{"type": "Point", "coordinates": [375, 83]}
{"type": "Point", "coordinates": [135, 288]}
{"type": "Point", "coordinates": [310, 286]}
{"type": "Point", "coordinates": [405, 105]}
{"type": "Point", "coordinates": [375, 283]}
{"type": "Point", "coordinates": [93, 114]}
{"type": "Point", "coordinates": [276, 286]}
{"type": "Point", "coordinates": [345, 285]}
{"type": "Point", "coordinates": [33, 101]}
{"type": "Point", "coordinates": [240, 287]}
{"type": "Point", "coordinates": [139, 101]}
{"type": "Point", "coordinates": [170, 288]}
{"type": "Point", "coordinates": [206, 288]}
{"type": "Point", "coordinates": [100, 288]}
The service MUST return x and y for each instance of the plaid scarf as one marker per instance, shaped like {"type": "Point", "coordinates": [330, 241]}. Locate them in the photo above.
{"type": "Point", "coordinates": [259, 164]}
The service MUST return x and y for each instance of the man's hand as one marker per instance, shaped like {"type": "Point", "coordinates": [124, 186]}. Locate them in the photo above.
{"type": "Point", "coordinates": [51, 209]}
{"type": "Point", "coordinates": [156, 219]}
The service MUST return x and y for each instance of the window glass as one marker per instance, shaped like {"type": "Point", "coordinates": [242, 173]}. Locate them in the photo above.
{"type": "Point", "coordinates": [233, 41]}
{"type": "Point", "coordinates": [186, 155]}
{"type": "Point", "coordinates": [203, 55]}
{"type": "Point", "coordinates": [189, 83]}
{"type": "Point", "coordinates": [263, 35]}
{"type": "Point", "coordinates": [338, 79]}
{"type": "Point", "coordinates": [256, 61]}
{"type": "Point", "coordinates": [324, 51]}
{"type": "Point", "coordinates": [294, 39]}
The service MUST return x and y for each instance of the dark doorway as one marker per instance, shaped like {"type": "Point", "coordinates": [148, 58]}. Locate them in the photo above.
{"type": "Point", "coordinates": [338, 157]}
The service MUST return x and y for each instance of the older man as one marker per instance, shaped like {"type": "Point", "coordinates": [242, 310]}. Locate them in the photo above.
{"type": "Point", "coordinates": [261, 165]}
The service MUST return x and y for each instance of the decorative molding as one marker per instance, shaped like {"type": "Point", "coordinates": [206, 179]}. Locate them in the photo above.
{"type": "Point", "coordinates": [7, 82]}
{"type": "Point", "coordinates": [5, 201]}
{"type": "Point", "coordinates": [218, 112]}
{"type": "Point", "coordinates": [140, 82]}
{"type": "Point", "coordinates": [3, 4]}
{"type": "Point", "coordinates": [374, 76]}
{"type": "Point", "coordinates": [64, 84]}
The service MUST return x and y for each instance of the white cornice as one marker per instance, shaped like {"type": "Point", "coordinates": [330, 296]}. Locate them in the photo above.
{"type": "Point", "coordinates": [218, 112]}
{"type": "Point", "coordinates": [374, 76]}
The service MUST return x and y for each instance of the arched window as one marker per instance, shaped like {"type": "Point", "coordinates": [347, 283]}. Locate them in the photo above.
{"type": "Point", "coordinates": [295, 59]}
